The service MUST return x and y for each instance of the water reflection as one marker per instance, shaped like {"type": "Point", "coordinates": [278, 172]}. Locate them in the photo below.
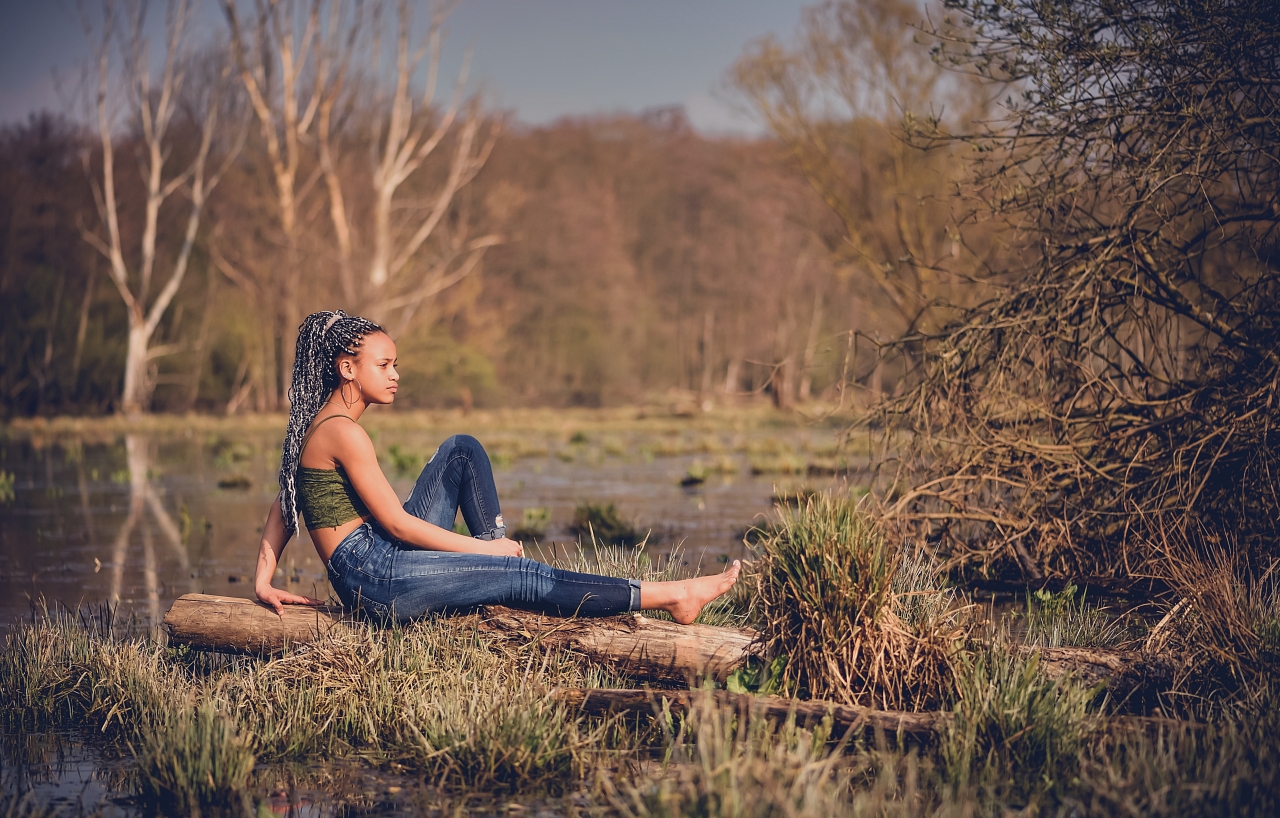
{"type": "Point", "coordinates": [142, 519]}
{"type": "Point", "coordinates": [143, 497]}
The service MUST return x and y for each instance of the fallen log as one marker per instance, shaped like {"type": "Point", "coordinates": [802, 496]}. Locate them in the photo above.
{"type": "Point", "coordinates": [921, 726]}
{"type": "Point", "coordinates": [231, 624]}
{"type": "Point", "coordinates": [635, 645]}
{"type": "Point", "coordinates": [640, 647]}
{"type": "Point", "coordinates": [1123, 672]}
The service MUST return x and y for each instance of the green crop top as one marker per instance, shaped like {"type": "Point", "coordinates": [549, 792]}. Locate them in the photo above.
{"type": "Point", "coordinates": [326, 497]}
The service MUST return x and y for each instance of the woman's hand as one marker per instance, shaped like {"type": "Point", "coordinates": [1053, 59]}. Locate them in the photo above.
{"type": "Point", "coordinates": [277, 599]}
{"type": "Point", "coordinates": [501, 548]}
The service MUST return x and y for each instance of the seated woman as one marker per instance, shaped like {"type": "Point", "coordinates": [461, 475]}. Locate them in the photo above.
{"type": "Point", "coordinates": [405, 561]}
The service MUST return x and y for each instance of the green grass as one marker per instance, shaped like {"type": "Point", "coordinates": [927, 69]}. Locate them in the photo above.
{"type": "Point", "coordinates": [1016, 734]}
{"type": "Point", "coordinates": [1061, 620]}
{"type": "Point", "coordinates": [405, 463]}
{"type": "Point", "coordinates": [438, 700]}
{"type": "Point", "coordinates": [194, 757]}
{"type": "Point", "coordinates": [859, 618]}
{"type": "Point", "coordinates": [533, 524]}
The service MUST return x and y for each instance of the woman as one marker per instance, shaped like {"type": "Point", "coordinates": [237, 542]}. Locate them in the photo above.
{"type": "Point", "coordinates": [405, 561]}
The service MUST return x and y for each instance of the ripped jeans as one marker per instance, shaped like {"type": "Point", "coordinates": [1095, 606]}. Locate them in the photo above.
{"type": "Point", "coordinates": [388, 579]}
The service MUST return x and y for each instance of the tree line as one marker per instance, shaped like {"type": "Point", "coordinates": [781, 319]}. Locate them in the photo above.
{"type": "Point", "coordinates": [160, 252]}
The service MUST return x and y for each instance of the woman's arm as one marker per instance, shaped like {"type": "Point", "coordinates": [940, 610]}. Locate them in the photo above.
{"type": "Point", "coordinates": [274, 539]}
{"type": "Point", "coordinates": [355, 452]}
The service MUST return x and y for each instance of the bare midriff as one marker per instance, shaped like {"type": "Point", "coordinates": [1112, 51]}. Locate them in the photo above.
{"type": "Point", "coordinates": [326, 540]}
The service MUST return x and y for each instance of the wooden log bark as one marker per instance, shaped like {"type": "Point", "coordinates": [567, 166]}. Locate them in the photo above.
{"type": "Point", "coordinates": [921, 726]}
{"type": "Point", "coordinates": [632, 644]}
{"type": "Point", "coordinates": [234, 625]}
{"type": "Point", "coordinates": [1123, 672]}
{"type": "Point", "coordinates": [638, 646]}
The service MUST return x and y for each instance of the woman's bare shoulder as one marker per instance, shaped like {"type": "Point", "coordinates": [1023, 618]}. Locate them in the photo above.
{"type": "Point", "coordinates": [340, 439]}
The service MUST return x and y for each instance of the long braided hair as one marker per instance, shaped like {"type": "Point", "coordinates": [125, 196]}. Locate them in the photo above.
{"type": "Point", "coordinates": [322, 337]}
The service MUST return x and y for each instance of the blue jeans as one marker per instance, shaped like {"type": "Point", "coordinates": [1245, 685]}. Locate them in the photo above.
{"type": "Point", "coordinates": [388, 579]}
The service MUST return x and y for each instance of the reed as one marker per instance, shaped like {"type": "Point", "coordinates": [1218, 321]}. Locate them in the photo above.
{"type": "Point", "coordinates": [194, 758]}
{"type": "Point", "coordinates": [832, 596]}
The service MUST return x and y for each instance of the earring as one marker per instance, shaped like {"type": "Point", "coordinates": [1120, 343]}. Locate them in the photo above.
{"type": "Point", "coordinates": [342, 392]}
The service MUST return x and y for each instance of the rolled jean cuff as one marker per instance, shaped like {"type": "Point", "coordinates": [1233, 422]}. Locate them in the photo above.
{"type": "Point", "coordinates": [635, 594]}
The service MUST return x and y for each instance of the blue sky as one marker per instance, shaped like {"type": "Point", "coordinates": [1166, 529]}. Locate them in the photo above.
{"type": "Point", "coordinates": [542, 59]}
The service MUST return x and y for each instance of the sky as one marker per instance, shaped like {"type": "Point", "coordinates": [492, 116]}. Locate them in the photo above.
{"type": "Point", "coordinates": [542, 59]}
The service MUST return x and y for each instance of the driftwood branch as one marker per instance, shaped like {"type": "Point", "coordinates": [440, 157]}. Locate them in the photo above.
{"type": "Point", "coordinates": [921, 726]}
{"type": "Point", "coordinates": [234, 625]}
{"type": "Point", "coordinates": [635, 645]}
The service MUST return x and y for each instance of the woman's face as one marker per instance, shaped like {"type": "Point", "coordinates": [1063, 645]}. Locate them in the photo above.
{"type": "Point", "coordinates": [374, 367]}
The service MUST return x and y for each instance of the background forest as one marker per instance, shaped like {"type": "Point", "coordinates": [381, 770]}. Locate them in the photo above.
{"type": "Point", "coordinates": [310, 156]}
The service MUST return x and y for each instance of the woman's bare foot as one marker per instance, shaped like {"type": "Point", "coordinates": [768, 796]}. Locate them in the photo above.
{"type": "Point", "coordinates": [684, 599]}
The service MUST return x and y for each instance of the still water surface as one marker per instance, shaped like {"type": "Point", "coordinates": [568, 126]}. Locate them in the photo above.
{"type": "Point", "coordinates": [143, 518]}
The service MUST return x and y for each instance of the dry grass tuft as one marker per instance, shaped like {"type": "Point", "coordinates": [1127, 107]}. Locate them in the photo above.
{"type": "Point", "coordinates": [1225, 631]}
{"type": "Point", "coordinates": [858, 619]}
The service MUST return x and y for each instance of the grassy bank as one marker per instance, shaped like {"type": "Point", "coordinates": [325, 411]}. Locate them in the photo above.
{"type": "Point", "coordinates": [844, 612]}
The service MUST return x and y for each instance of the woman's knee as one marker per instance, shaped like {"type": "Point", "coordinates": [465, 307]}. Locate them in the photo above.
{"type": "Point", "coordinates": [461, 444]}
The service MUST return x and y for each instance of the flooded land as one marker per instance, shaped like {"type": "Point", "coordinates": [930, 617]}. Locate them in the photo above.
{"type": "Point", "coordinates": [138, 518]}
{"type": "Point", "coordinates": [102, 514]}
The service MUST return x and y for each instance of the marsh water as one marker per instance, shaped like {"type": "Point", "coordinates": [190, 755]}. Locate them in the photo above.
{"type": "Point", "coordinates": [144, 518]}
{"type": "Point", "coordinates": [138, 518]}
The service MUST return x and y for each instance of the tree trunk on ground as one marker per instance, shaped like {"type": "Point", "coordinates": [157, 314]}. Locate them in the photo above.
{"type": "Point", "coordinates": [234, 625]}
{"type": "Point", "coordinates": [635, 645]}
{"type": "Point", "coordinates": [920, 726]}
{"type": "Point", "coordinates": [639, 646]}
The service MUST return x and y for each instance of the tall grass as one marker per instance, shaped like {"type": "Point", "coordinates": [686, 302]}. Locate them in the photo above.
{"type": "Point", "coordinates": [719, 762]}
{"type": "Point", "coordinates": [436, 695]}
{"type": "Point", "coordinates": [1225, 632]}
{"type": "Point", "coordinates": [1015, 734]}
{"type": "Point", "coordinates": [858, 619]}
{"type": "Point", "coordinates": [191, 758]}
{"type": "Point", "coordinates": [1230, 766]}
{"type": "Point", "coordinates": [1061, 620]}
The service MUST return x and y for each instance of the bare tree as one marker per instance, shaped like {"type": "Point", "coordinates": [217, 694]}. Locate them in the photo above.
{"type": "Point", "coordinates": [402, 272]}
{"type": "Point", "coordinates": [281, 60]}
{"type": "Point", "coordinates": [151, 110]}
